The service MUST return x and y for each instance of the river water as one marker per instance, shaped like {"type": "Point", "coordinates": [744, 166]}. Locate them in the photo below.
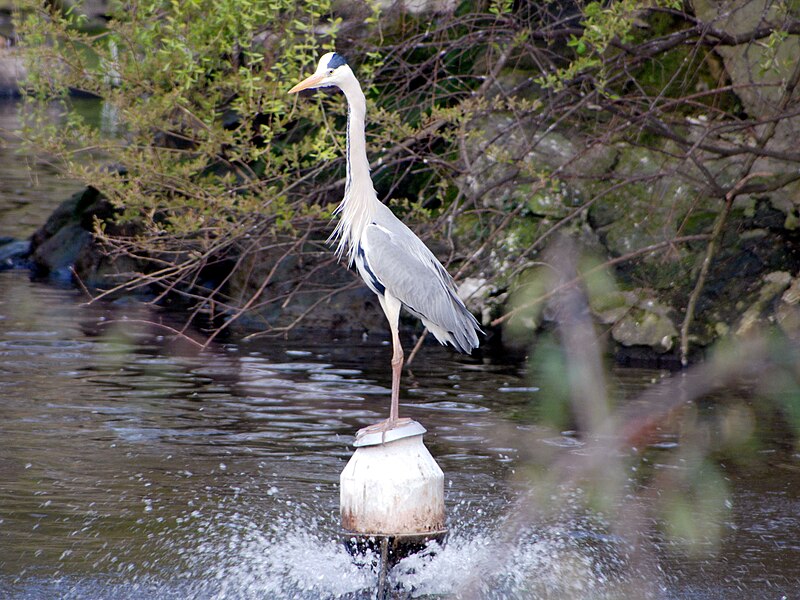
{"type": "Point", "coordinates": [134, 466]}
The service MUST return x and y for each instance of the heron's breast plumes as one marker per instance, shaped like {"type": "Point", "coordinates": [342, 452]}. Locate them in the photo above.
{"type": "Point", "coordinates": [355, 213]}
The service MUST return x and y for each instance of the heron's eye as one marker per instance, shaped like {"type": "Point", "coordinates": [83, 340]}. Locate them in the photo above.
{"type": "Point", "coordinates": [330, 72]}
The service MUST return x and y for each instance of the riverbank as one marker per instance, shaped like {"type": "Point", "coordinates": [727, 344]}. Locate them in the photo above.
{"type": "Point", "coordinates": [682, 218]}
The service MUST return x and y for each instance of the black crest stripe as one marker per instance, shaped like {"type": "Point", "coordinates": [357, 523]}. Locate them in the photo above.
{"type": "Point", "coordinates": [337, 60]}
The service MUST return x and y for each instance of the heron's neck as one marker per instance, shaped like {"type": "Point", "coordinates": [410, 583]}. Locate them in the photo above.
{"type": "Point", "coordinates": [357, 164]}
{"type": "Point", "coordinates": [358, 206]}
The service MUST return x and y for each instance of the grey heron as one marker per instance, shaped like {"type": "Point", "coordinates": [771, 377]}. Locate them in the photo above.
{"type": "Point", "coordinates": [393, 262]}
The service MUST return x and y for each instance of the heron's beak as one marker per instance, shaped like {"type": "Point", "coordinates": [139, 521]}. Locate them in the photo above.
{"type": "Point", "coordinates": [308, 82]}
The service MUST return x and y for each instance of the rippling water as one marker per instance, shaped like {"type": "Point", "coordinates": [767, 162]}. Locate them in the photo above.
{"type": "Point", "coordinates": [132, 466]}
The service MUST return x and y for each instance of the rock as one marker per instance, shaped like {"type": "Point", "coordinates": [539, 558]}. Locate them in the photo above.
{"type": "Point", "coordinates": [419, 7]}
{"type": "Point", "coordinates": [792, 295]}
{"type": "Point", "coordinates": [13, 253]}
{"type": "Point", "coordinates": [507, 164]}
{"type": "Point", "coordinates": [774, 285]}
{"type": "Point", "coordinates": [475, 292]}
{"type": "Point", "coordinates": [66, 242]}
{"type": "Point", "coordinates": [758, 71]}
{"type": "Point", "coordinates": [612, 306]}
{"type": "Point", "coordinates": [757, 75]}
{"type": "Point", "coordinates": [644, 212]}
{"type": "Point", "coordinates": [787, 314]}
{"type": "Point", "coordinates": [642, 328]}
{"type": "Point", "coordinates": [645, 323]}
{"type": "Point", "coordinates": [305, 281]}
{"type": "Point", "coordinates": [56, 255]}
{"type": "Point", "coordinates": [12, 70]}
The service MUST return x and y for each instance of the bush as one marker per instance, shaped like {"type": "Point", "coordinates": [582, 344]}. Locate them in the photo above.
{"type": "Point", "coordinates": [498, 125]}
{"type": "Point", "coordinates": [205, 145]}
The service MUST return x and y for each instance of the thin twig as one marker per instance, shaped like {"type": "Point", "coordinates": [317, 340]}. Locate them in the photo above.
{"type": "Point", "coordinates": [178, 334]}
{"type": "Point", "coordinates": [722, 218]}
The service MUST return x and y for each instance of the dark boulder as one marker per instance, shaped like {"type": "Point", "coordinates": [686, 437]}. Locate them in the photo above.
{"type": "Point", "coordinates": [65, 246]}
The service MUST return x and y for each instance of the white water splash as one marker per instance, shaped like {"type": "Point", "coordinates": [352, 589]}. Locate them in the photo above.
{"type": "Point", "coordinates": [297, 564]}
{"type": "Point", "coordinates": [549, 564]}
{"type": "Point", "coordinates": [293, 560]}
{"type": "Point", "coordinates": [297, 555]}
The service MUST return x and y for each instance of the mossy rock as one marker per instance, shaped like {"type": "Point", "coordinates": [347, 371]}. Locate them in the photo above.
{"type": "Point", "coordinates": [787, 314]}
{"type": "Point", "coordinates": [647, 322]}
{"type": "Point", "coordinates": [610, 307]}
{"type": "Point", "coordinates": [508, 170]}
{"type": "Point", "coordinates": [542, 202]}
{"type": "Point", "coordinates": [646, 212]}
{"type": "Point", "coordinates": [760, 89]}
{"type": "Point", "coordinates": [774, 285]}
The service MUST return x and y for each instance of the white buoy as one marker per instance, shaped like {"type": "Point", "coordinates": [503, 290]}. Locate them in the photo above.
{"type": "Point", "coordinates": [392, 485]}
{"type": "Point", "coordinates": [392, 498]}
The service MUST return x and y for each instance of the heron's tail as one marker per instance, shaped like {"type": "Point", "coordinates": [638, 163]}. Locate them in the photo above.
{"type": "Point", "coordinates": [461, 331]}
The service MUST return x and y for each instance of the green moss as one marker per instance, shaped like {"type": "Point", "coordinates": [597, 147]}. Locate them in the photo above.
{"type": "Point", "coordinates": [792, 221]}
{"type": "Point", "coordinates": [698, 221]}
{"type": "Point", "coordinates": [468, 226]}
{"type": "Point", "coordinates": [542, 202]}
{"type": "Point", "coordinates": [682, 71]}
{"type": "Point", "coordinates": [522, 234]}
{"type": "Point", "coordinates": [669, 274]}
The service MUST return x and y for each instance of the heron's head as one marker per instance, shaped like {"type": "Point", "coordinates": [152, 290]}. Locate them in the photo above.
{"type": "Point", "coordinates": [332, 70]}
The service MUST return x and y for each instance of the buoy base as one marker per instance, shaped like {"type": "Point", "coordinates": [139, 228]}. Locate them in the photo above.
{"type": "Point", "coordinates": [391, 500]}
{"type": "Point", "coordinates": [390, 548]}
{"type": "Point", "coordinates": [387, 551]}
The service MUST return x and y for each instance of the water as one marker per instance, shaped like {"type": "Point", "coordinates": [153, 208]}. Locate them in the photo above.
{"type": "Point", "coordinates": [30, 187]}
{"type": "Point", "coordinates": [132, 466]}
{"type": "Point", "coordinates": [120, 447]}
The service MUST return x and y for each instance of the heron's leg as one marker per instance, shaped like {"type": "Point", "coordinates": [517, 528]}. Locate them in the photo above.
{"type": "Point", "coordinates": [397, 369]}
{"type": "Point", "coordinates": [391, 306]}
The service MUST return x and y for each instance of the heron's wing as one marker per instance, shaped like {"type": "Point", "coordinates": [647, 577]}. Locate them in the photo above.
{"type": "Point", "coordinates": [409, 271]}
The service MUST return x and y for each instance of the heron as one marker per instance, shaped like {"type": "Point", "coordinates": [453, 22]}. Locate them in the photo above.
{"type": "Point", "coordinates": [393, 262]}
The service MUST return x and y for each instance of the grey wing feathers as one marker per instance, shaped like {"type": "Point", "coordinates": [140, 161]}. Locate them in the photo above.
{"type": "Point", "coordinates": [409, 271]}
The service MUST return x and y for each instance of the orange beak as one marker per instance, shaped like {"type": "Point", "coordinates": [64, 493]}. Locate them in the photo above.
{"type": "Point", "coordinates": [308, 82]}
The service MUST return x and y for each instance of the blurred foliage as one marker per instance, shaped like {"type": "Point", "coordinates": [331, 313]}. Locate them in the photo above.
{"type": "Point", "coordinates": [657, 457]}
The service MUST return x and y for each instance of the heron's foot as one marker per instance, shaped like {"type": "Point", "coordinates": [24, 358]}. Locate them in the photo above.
{"type": "Point", "coordinates": [382, 428]}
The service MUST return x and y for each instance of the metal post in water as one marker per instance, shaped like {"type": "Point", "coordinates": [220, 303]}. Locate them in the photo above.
{"type": "Point", "coordinates": [392, 496]}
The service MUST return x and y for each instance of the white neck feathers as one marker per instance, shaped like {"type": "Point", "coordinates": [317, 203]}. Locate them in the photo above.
{"type": "Point", "coordinates": [358, 205]}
